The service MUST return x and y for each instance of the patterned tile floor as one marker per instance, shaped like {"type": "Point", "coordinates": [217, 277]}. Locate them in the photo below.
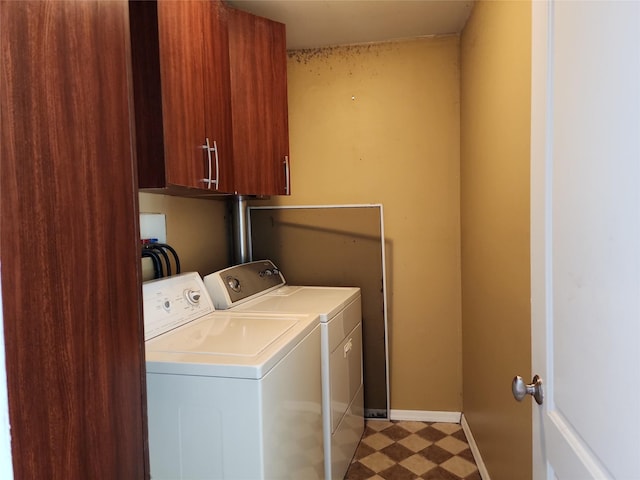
{"type": "Point", "coordinates": [402, 450]}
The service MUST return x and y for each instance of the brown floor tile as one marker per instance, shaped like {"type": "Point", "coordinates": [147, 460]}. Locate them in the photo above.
{"type": "Point", "coordinates": [368, 431]}
{"type": "Point", "coordinates": [439, 474]}
{"type": "Point", "coordinates": [358, 471]}
{"type": "Point", "coordinates": [363, 450]}
{"type": "Point", "coordinates": [459, 435]}
{"type": "Point", "coordinates": [474, 476]}
{"type": "Point", "coordinates": [431, 434]}
{"type": "Point", "coordinates": [397, 472]}
{"type": "Point", "coordinates": [396, 433]}
{"type": "Point", "coordinates": [467, 455]}
{"type": "Point", "coordinates": [397, 452]}
{"type": "Point", "coordinates": [436, 454]}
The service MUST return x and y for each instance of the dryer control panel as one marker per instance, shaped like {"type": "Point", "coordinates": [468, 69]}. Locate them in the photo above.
{"type": "Point", "coordinates": [240, 283]}
{"type": "Point", "coordinates": [173, 301]}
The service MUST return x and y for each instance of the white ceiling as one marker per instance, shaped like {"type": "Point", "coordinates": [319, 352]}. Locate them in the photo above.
{"type": "Point", "coordinates": [321, 23]}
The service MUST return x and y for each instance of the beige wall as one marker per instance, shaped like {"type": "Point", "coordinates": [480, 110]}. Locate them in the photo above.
{"type": "Point", "coordinates": [495, 123]}
{"type": "Point", "coordinates": [380, 124]}
{"type": "Point", "coordinates": [196, 228]}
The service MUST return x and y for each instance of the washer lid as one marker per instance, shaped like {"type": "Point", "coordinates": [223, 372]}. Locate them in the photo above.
{"type": "Point", "coordinates": [324, 301]}
{"type": "Point", "coordinates": [228, 344]}
{"type": "Point", "coordinates": [235, 336]}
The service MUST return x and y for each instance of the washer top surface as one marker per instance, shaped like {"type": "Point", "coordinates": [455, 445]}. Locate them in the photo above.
{"type": "Point", "coordinates": [323, 301]}
{"type": "Point", "coordinates": [230, 335]}
{"type": "Point", "coordinates": [223, 344]}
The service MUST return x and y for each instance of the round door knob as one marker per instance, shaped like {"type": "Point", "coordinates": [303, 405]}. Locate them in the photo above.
{"type": "Point", "coordinates": [521, 389]}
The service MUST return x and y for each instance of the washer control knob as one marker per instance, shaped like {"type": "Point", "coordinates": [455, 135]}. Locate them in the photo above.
{"type": "Point", "coordinates": [192, 296]}
{"type": "Point", "coordinates": [166, 305]}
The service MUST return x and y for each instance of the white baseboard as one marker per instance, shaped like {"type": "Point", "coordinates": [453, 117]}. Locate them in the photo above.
{"type": "Point", "coordinates": [482, 469]}
{"type": "Point", "coordinates": [425, 416]}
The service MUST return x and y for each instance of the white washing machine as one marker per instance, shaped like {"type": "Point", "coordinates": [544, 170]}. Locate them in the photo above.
{"type": "Point", "coordinates": [230, 395]}
{"type": "Point", "coordinates": [261, 287]}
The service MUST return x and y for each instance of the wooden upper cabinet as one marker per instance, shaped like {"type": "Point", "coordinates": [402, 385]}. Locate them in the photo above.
{"type": "Point", "coordinates": [181, 91]}
{"type": "Point", "coordinates": [258, 63]}
{"type": "Point", "coordinates": [204, 72]}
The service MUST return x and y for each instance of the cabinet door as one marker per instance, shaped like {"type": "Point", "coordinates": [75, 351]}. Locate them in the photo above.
{"type": "Point", "coordinates": [257, 52]}
{"type": "Point", "coordinates": [217, 91]}
{"type": "Point", "coordinates": [181, 93]}
{"type": "Point", "coordinates": [181, 39]}
{"type": "Point", "coordinates": [68, 243]}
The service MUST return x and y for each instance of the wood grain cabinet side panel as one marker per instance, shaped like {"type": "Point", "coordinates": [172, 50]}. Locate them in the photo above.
{"type": "Point", "coordinates": [68, 243]}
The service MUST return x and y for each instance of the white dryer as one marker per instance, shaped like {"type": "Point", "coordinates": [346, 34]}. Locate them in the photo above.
{"type": "Point", "coordinates": [230, 395]}
{"type": "Point", "coordinates": [259, 287]}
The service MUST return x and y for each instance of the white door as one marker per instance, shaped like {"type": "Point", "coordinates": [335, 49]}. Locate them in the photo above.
{"type": "Point", "coordinates": [585, 238]}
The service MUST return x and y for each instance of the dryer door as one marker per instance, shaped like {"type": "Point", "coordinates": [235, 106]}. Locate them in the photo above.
{"type": "Point", "coordinates": [345, 367]}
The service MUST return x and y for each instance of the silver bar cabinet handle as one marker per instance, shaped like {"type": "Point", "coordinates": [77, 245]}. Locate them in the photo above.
{"type": "Point", "coordinates": [209, 181]}
{"type": "Point", "coordinates": [207, 147]}
{"type": "Point", "coordinates": [217, 180]}
{"type": "Point", "coordinates": [286, 175]}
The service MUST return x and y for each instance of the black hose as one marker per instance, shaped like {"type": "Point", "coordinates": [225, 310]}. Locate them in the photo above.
{"type": "Point", "coordinates": [173, 252]}
{"type": "Point", "coordinates": [155, 259]}
{"type": "Point", "coordinates": [155, 248]}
